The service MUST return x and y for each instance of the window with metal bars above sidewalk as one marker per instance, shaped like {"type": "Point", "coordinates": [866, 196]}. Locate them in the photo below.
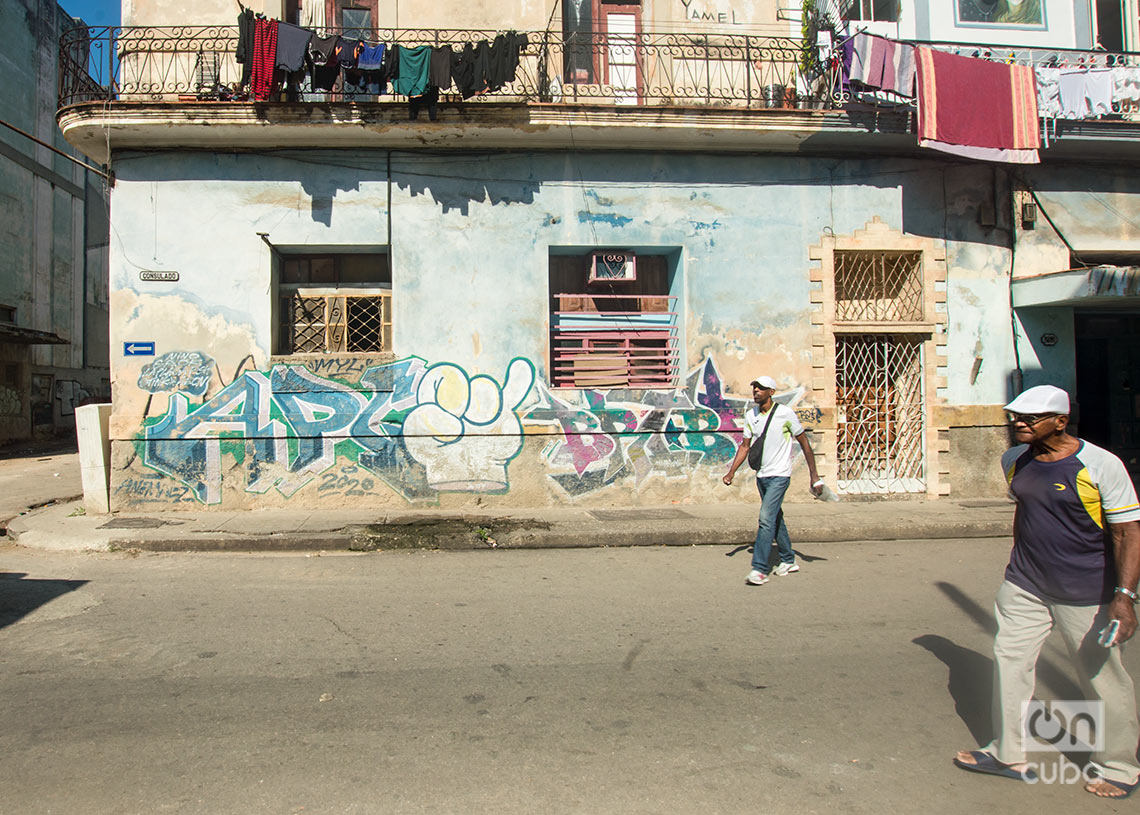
{"type": "Point", "coordinates": [335, 303]}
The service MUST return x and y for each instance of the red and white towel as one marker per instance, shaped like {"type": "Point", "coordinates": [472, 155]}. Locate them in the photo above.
{"type": "Point", "coordinates": [977, 108]}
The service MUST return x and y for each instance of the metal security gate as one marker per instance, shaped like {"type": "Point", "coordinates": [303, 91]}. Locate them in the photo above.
{"type": "Point", "coordinates": [880, 413]}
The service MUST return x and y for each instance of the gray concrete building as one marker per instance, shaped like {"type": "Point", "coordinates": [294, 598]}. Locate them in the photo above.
{"type": "Point", "coordinates": [54, 231]}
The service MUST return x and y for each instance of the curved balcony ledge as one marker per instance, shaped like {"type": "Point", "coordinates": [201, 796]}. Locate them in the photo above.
{"type": "Point", "coordinates": [92, 127]}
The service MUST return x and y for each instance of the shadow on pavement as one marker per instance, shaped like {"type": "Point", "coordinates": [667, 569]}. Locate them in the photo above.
{"type": "Point", "coordinates": [1048, 672]}
{"type": "Point", "coordinates": [748, 548]}
{"type": "Point", "coordinates": [971, 674]}
{"type": "Point", "coordinates": [20, 596]}
{"type": "Point", "coordinates": [970, 684]}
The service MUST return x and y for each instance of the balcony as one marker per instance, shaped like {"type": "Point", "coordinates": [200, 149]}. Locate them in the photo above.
{"type": "Point", "coordinates": [180, 87]}
{"type": "Point", "coordinates": [197, 63]}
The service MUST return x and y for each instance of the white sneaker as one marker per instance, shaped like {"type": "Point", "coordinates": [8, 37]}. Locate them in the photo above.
{"type": "Point", "coordinates": [756, 578]}
{"type": "Point", "coordinates": [785, 568]}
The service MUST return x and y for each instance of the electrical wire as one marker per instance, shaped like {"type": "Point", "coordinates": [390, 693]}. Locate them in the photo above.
{"type": "Point", "coordinates": [1052, 223]}
{"type": "Point", "coordinates": [54, 149]}
{"type": "Point", "coordinates": [414, 158]}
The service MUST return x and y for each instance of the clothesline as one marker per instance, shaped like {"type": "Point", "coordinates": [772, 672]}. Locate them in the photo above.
{"type": "Point", "coordinates": [276, 54]}
{"type": "Point", "coordinates": [1065, 90]}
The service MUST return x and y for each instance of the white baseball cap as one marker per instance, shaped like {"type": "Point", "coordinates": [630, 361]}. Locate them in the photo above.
{"type": "Point", "coordinates": [765, 382]}
{"type": "Point", "coordinates": [1041, 399]}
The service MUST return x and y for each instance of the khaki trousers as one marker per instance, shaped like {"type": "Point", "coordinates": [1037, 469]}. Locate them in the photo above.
{"type": "Point", "coordinates": [1024, 622]}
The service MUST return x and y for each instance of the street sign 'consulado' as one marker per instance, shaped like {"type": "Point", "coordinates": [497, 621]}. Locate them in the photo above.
{"type": "Point", "coordinates": [159, 277]}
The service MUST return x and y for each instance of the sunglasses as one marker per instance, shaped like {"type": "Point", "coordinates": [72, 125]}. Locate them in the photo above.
{"type": "Point", "coordinates": [1029, 419]}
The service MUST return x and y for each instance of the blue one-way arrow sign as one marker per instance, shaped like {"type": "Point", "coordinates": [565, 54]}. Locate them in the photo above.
{"type": "Point", "coordinates": [138, 349]}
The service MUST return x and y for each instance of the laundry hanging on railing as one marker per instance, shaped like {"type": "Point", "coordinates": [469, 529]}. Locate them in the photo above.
{"type": "Point", "coordinates": [882, 63]}
{"type": "Point", "coordinates": [276, 54]}
{"type": "Point", "coordinates": [1086, 92]}
{"type": "Point", "coordinates": [264, 59]}
{"type": "Point", "coordinates": [292, 47]}
{"type": "Point", "coordinates": [977, 108]}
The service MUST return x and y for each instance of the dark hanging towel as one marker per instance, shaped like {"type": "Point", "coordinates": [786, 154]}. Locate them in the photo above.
{"type": "Point", "coordinates": [497, 59]}
{"type": "Point", "coordinates": [413, 78]}
{"type": "Point", "coordinates": [463, 68]}
{"type": "Point", "coordinates": [244, 52]}
{"type": "Point", "coordinates": [470, 70]}
{"type": "Point", "coordinates": [439, 72]}
{"type": "Point", "coordinates": [323, 64]}
{"type": "Point", "coordinates": [514, 56]}
{"type": "Point", "coordinates": [264, 59]}
{"type": "Point", "coordinates": [390, 68]}
{"type": "Point", "coordinates": [482, 65]}
{"type": "Point", "coordinates": [504, 59]}
{"type": "Point", "coordinates": [292, 46]}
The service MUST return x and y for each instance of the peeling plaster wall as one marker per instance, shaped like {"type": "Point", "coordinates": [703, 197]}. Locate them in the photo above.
{"type": "Point", "coordinates": [471, 238]}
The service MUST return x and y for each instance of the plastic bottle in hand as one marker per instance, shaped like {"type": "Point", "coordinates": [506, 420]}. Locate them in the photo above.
{"type": "Point", "coordinates": [825, 493]}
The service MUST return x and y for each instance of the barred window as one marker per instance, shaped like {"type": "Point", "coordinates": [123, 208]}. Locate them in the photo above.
{"type": "Point", "coordinates": [619, 332]}
{"type": "Point", "coordinates": [879, 287]}
{"type": "Point", "coordinates": [335, 303]}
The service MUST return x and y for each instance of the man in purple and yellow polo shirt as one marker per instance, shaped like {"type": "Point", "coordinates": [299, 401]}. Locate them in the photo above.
{"type": "Point", "coordinates": [1065, 572]}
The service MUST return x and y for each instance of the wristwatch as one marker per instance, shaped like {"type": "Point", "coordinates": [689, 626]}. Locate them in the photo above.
{"type": "Point", "coordinates": [1131, 595]}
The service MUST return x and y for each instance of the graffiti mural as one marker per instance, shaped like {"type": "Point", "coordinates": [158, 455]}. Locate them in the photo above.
{"type": "Point", "coordinates": [10, 402]}
{"type": "Point", "coordinates": [428, 429]}
{"type": "Point", "coordinates": [70, 395]}
{"type": "Point", "coordinates": [188, 371]}
{"type": "Point", "coordinates": [409, 424]}
{"type": "Point", "coordinates": [609, 436]}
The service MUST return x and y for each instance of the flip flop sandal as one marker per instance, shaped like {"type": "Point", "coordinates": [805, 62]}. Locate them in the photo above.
{"type": "Point", "coordinates": [989, 765]}
{"type": "Point", "coordinates": [1127, 789]}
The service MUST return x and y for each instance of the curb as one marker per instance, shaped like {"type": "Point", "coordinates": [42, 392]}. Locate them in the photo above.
{"type": "Point", "coordinates": [362, 540]}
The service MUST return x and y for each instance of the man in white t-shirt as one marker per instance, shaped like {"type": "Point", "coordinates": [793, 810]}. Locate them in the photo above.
{"type": "Point", "coordinates": [773, 427]}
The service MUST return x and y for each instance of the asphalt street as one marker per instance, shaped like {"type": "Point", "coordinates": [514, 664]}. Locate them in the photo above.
{"type": "Point", "coordinates": [646, 680]}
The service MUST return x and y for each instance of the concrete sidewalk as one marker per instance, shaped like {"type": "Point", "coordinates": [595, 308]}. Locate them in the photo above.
{"type": "Point", "coordinates": [62, 526]}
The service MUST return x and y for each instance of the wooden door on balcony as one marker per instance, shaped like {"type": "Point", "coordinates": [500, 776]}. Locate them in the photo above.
{"type": "Point", "coordinates": [620, 56]}
{"type": "Point", "coordinates": [357, 17]}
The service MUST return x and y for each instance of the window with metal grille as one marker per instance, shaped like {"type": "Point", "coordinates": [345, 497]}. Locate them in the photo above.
{"type": "Point", "coordinates": [879, 287]}
{"type": "Point", "coordinates": [335, 303]}
{"type": "Point", "coordinates": [880, 415]}
{"type": "Point", "coordinates": [612, 334]}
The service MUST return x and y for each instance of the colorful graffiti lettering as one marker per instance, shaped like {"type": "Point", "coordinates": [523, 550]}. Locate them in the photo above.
{"type": "Point", "coordinates": [188, 371]}
{"type": "Point", "coordinates": [428, 429]}
{"type": "Point", "coordinates": [612, 435]}
{"type": "Point", "coordinates": [409, 424]}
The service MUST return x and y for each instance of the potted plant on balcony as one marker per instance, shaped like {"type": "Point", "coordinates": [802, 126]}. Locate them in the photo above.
{"type": "Point", "coordinates": [815, 76]}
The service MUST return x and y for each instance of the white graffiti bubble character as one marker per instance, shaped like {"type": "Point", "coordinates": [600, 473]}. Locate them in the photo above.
{"type": "Point", "coordinates": [464, 430]}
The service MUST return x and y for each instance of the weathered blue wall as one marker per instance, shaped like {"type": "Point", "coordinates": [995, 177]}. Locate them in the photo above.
{"type": "Point", "coordinates": [471, 237]}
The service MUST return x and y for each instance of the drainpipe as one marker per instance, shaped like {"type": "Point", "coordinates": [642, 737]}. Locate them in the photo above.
{"type": "Point", "coordinates": [83, 299]}
{"type": "Point", "coordinates": [1017, 377]}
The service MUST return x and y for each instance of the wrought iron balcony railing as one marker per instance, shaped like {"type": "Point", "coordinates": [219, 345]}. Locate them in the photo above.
{"type": "Point", "coordinates": [197, 63]}
{"type": "Point", "coordinates": [184, 63]}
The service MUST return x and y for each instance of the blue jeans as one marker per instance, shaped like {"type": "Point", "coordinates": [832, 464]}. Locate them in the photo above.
{"type": "Point", "coordinates": [772, 489]}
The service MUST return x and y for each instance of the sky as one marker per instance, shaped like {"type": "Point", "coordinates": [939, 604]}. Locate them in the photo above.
{"type": "Point", "coordinates": [94, 12]}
